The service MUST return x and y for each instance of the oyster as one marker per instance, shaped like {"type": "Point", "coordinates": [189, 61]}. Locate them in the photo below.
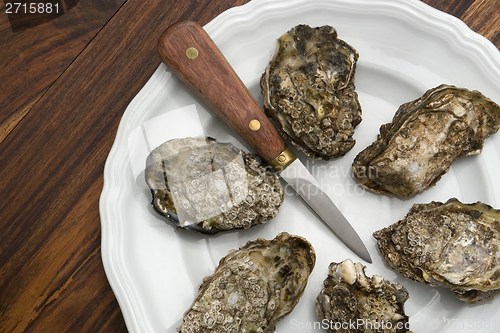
{"type": "Point", "coordinates": [253, 287]}
{"type": "Point", "coordinates": [452, 244]}
{"type": "Point", "coordinates": [208, 186]}
{"type": "Point", "coordinates": [308, 88]}
{"type": "Point", "coordinates": [425, 136]}
{"type": "Point", "coordinates": [352, 302]}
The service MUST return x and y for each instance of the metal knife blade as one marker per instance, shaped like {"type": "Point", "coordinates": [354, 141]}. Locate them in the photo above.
{"type": "Point", "coordinates": [299, 178]}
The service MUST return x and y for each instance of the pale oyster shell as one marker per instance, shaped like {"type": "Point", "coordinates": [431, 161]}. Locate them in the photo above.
{"type": "Point", "coordinates": [425, 136]}
{"type": "Point", "coordinates": [253, 287]}
{"type": "Point", "coordinates": [212, 186]}
{"type": "Point", "coordinates": [352, 302]}
{"type": "Point", "coordinates": [452, 244]}
{"type": "Point", "coordinates": [308, 88]}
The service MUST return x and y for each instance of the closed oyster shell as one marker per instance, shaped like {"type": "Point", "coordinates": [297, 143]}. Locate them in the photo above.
{"type": "Point", "coordinates": [253, 287]}
{"type": "Point", "coordinates": [452, 244]}
{"type": "Point", "coordinates": [425, 136]}
{"type": "Point", "coordinates": [352, 302]}
{"type": "Point", "coordinates": [308, 88]}
{"type": "Point", "coordinates": [205, 185]}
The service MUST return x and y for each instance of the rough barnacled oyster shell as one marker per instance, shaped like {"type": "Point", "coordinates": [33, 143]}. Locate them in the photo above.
{"type": "Point", "coordinates": [453, 244]}
{"type": "Point", "coordinates": [308, 89]}
{"type": "Point", "coordinates": [253, 287]}
{"type": "Point", "coordinates": [209, 186]}
{"type": "Point", "coordinates": [424, 138]}
{"type": "Point", "coordinates": [352, 302]}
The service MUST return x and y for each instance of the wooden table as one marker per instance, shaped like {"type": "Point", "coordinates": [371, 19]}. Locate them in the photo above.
{"type": "Point", "coordinates": [64, 86]}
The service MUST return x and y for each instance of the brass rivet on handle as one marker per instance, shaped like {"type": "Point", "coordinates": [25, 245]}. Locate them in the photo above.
{"type": "Point", "coordinates": [254, 125]}
{"type": "Point", "coordinates": [192, 53]}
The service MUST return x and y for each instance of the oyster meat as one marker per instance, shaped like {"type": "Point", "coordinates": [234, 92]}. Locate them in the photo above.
{"type": "Point", "coordinates": [253, 287]}
{"type": "Point", "coordinates": [425, 136]}
{"type": "Point", "coordinates": [352, 302]}
{"type": "Point", "coordinates": [208, 186]}
{"type": "Point", "coordinates": [308, 88]}
{"type": "Point", "coordinates": [452, 244]}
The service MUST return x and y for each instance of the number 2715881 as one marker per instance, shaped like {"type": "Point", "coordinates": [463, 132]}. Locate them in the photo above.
{"type": "Point", "coordinates": [31, 8]}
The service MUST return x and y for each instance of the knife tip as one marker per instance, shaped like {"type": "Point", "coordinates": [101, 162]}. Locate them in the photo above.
{"type": "Point", "coordinates": [365, 255]}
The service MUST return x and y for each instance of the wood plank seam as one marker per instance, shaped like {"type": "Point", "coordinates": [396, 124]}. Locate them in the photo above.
{"type": "Point", "coordinates": [56, 294]}
{"type": "Point", "coordinates": [13, 120]}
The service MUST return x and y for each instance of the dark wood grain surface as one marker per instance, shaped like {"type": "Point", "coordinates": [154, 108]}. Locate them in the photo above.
{"type": "Point", "coordinates": [64, 86]}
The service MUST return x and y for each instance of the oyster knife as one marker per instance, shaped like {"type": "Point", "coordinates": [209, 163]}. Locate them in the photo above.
{"type": "Point", "coordinates": [192, 55]}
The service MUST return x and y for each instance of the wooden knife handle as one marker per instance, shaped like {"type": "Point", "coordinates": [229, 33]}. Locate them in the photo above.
{"type": "Point", "coordinates": [193, 56]}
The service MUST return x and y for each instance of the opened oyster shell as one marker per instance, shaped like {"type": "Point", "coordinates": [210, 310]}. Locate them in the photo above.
{"type": "Point", "coordinates": [352, 302]}
{"type": "Point", "coordinates": [308, 88]}
{"type": "Point", "coordinates": [202, 184]}
{"type": "Point", "coordinates": [452, 244]}
{"type": "Point", "coordinates": [253, 287]}
{"type": "Point", "coordinates": [425, 136]}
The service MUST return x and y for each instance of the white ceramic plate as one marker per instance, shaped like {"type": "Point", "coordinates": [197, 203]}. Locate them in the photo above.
{"type": "Point", "coordinates": [405, 48]}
